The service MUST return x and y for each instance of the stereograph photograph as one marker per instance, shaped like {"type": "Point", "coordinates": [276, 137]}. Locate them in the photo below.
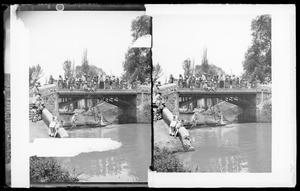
{"type": "Point", "coordinates": [89, 99]}
{"type": "Point", "coordinates": [212, 93]}
{"type": "Point", "coordinates": [148, 95]}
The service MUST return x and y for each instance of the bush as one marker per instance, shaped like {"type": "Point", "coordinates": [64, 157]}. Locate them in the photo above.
{"type": "Point", "coordinates": [165, 161]}
{"type": "Point", "coordinates": [147, 111]}
{"type": "Point", "coordinates": [48, 170]}
{"type": "Point", "coordinates": [267, 110]}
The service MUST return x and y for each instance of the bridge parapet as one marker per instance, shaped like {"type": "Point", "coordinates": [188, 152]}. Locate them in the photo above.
{"type": "Point", "coordinates": [49, 93]}
{"type": "Point", "coordinates": [171, 97]}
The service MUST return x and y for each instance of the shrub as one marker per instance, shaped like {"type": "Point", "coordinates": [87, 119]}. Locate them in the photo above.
{"type": "Point", "coordinates": [267, 110]}
{"type": "Point", "coordinates": [166, 161]}
{"type": "Point", "coordinates": [48, 170]}
{"type": "Point", "coordinates": [147, 111]}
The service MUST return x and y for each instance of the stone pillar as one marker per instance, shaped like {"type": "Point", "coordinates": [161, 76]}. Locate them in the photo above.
{"type": "Point", "coordinates": [129, 112]}
{"type": "Point", "coordinates": [249, 111]}
{"type": "Point", "coordinates": [129, 115]}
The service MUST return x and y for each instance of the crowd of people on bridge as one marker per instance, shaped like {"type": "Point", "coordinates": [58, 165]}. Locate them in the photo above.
{"type": "Point", "coordinates": [96, 82]}
{"type": "Point", "coordinates": [210, 82]}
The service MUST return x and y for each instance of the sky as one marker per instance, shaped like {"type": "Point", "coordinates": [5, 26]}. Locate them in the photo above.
{"type": "Point", "coordinates": [57, 36]}
{"type": "Point", "coordinates": [178, 37]}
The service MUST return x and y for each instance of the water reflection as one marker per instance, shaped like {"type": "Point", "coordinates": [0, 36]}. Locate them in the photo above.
{"type": "Point", "coordinates": [128, 163]}
{"type": "Point", "coordinates": [233, 148]}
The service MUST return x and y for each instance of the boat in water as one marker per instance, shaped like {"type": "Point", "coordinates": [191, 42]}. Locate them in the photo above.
{"type": "Point", "coordinates": [68, 125]}
{"type": "Point", "coordinates": [188, 125]}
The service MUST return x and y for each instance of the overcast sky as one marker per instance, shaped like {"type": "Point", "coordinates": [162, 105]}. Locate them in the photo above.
{"type": "Point", "coordinates": [57, 36]}
{"type": "Point", "coordinates": [178, 37]}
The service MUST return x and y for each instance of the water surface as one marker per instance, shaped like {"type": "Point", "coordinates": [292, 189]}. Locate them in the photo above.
{"type": "Point", "coordinates": [243, 147]}
{"type": "Point", "coordinates": [128, 163]}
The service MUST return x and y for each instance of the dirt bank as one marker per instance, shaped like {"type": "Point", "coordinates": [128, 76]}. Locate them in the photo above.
{"type": "Point", "coordinates": [37, 130]}
{"type": "Point", "coordinates": [162, 137]}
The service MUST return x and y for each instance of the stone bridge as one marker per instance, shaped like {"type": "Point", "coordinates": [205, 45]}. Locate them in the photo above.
{"type": "Point", "coordinates": [246, 99]}
{"type": "Point", "coordinates": [130, 101]}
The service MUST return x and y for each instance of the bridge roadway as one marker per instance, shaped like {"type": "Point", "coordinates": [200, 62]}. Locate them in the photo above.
{"type": "Point", "coordinates": [70, 93]}
{"type": "Point", "coordinates": [188, 91]}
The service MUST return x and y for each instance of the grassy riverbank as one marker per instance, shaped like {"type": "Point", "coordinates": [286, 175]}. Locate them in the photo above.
{"type": "Point", "coordinates": [165, 148]}
{"type": "Point", "coordinates": [48, 170]}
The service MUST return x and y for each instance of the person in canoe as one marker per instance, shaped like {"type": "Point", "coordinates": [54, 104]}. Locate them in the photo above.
{"type": "Point", "coordinates": [74, 120]}
{"type": "Point", "coordinates": [100, 118]}
{"type": "Point", "coordinates": [220, 118]}
{"type": "Point", "coordinates": [194, 120]}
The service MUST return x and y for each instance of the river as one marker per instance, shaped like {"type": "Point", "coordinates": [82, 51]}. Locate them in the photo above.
{"type": "Point", "coordinates": [243, 147]}
{"type": "Point", "coordinates": [129, 163]}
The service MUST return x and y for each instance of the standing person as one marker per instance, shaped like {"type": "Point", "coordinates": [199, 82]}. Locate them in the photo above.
{"type": "Point", "coordinates": [101, 82]}
{"type": "Point", "coordinates": [60, 81]}
{"type": "Point", "coordinates": [220, 118]}
{"type": "Point", "coordinates": [74, 120]}
{"type": "Point", "coordinates": [156, 88]}
{"type": "Point", "coordinates": [230, 82]}
{"type": "Point", "coordinates": [96, 81]}
{"type": "Point", "coordinates": [194, 120]}
{"type": "Point", "coordinates": [100, 118]}
{"type": "Point", "coordinates": [198, 82]}
{"type": "Point", "coordinates": [51, 130]}
{"type": "Point", "coordinates": [180, 80]}
{"type": "Point", "coordinates": [238, 82]}
{"type": "Point", "coordinates": [226, 82]}
{"type": "Point", "coordinates": [35, 90]}
{"type": "Point", "coordinates": [203, 78]}
{"type": "Point", "coordinates": [171, 80]}
{"type": "Point", "coordinates": [221, 82]}
{"type": "Point", "coordinates": [218, 81]}
{"type": "Point", "coordinates": [189, 82]}
{"type": "Point", "coordinates": [51, 80]}
{"type": "Point", "coordinates": [94, 113]}
{"type": "Point", "coordinates": [117, 83]}
{"type": "Point", "coordinates": [173, 125]}
{"type": "Point", "coordinates": [184, 81]}
{"type": "Point", "coordinates": [193, 82]}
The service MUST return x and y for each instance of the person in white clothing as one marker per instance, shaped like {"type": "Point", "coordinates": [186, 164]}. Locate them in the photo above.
{"type": "Point", "coordinates": [74, 120]}
{"type": "Point", "coordinates": [173, 125]}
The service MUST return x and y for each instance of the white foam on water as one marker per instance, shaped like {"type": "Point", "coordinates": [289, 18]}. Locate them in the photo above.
{"type": "Point", "coordinates": [69, 147]}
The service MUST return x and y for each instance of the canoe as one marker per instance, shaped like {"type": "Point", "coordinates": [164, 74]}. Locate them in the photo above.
{"type": "Point", "coordinates": [201, 125]}
{"type": "Point", "coordinates": [68, 125]}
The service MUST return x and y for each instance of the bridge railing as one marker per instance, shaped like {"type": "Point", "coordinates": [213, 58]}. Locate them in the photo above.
{"type": "Point", "coordinates": [227, 87]}
{"type": "Point", "coordinates": [96, 87]}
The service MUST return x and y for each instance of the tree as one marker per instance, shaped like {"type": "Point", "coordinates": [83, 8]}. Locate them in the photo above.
{"type": "Point", "coordinates": [140, 27]}
{"type": "Point", "coordinates": [67, 67]}
{"type": "Point", "coordinates": [198, 71]}
{"type": "Point", "coordinates": [187, 67]}
{"type": "Point", "coordinates": [157, 72]}
{"type": "Point", "coordinates": [257, 63]}
{"type": "Point", "coordinates": [85, 63]}
{"type": "Point", "coordinates": [137, 64]}
{"type": "Point", "coordinates": [35, 73]}
{"type": "Point", "coordinates": [204, 61]}
{"type": "Point", "coordinates": [207, 67]}
{"type": "Point", "coordinates": [86, 68]}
